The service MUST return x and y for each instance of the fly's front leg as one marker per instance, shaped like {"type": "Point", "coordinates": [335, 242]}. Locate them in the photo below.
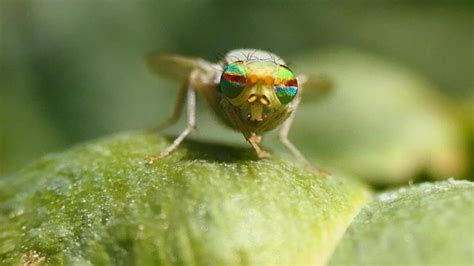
{"type": "Point", "coordinates": [285, 129]}
{"type": "Point", "coordinates": [191, 105]}
{"type": "Point", "coordinates": [255, 140]}
{"type": "Point", "coordinates": [178, 109]}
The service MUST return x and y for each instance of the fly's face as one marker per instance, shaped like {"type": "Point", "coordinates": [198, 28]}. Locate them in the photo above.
{"type": "Point", "coordinates": [257, 92]}
{"type": "Point", "coordinates": [258, 87]}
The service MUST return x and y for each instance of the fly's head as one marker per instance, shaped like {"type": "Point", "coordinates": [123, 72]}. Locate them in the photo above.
{"type": "Point", "coordinates": [258, 87]}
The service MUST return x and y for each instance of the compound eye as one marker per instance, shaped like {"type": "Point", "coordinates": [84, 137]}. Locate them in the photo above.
{"type": "Point", "coordinates": [285, 84]}
{"type": "Point", "coordinates": [233, 79]}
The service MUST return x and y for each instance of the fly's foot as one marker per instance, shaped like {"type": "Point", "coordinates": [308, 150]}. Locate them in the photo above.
{"type": "Point", "coordinates": [323, 172]}
{"type": "Point", "coordinates": [318, 170]}
{"type": "Point", "coordinates": [154, 158]}
{"type": "Point", "coordinates": [263, 154]}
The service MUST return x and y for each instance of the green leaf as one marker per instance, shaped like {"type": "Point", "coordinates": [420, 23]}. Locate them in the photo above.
{"type": "Point", "coordinates": [419, 225]}
{"type": "Point", "coordinates": [206, 204]}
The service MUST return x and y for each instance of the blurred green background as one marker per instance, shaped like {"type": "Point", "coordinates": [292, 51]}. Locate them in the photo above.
{"type": "Point", "coordinates": [403, 73]}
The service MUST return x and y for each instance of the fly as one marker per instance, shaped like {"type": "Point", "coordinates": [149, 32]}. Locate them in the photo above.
{"type": "Point", "coordinates": [252, 91]}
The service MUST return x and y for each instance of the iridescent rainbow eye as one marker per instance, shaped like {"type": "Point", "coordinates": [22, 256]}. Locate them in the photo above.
{"type": "Point", "coordinates": [285, 84]}
{"type": "Point", "coordinates": [233, 79]}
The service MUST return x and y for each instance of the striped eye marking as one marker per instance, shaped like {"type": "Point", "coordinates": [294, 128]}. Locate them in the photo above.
{"type": "Point", "coordinates": [285, 84]}
{"type": "Point", "coordinates": [233, 79]}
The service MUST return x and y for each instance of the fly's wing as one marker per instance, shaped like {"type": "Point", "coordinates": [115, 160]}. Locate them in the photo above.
{"type": "Point", "coordinates": [314, 87]}
{"type": "Point", "coordinates": [177, 67]}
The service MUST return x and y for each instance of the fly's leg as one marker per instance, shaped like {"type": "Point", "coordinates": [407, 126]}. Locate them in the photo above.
{"type": "Point", "coordinates": [191, 105]}
{"type": "Point", "coordinates": [177, 111]}
{"type": "Point", "coordinates": [285, 129]}
{"type": "Point", "coordinates": [255, 140]}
